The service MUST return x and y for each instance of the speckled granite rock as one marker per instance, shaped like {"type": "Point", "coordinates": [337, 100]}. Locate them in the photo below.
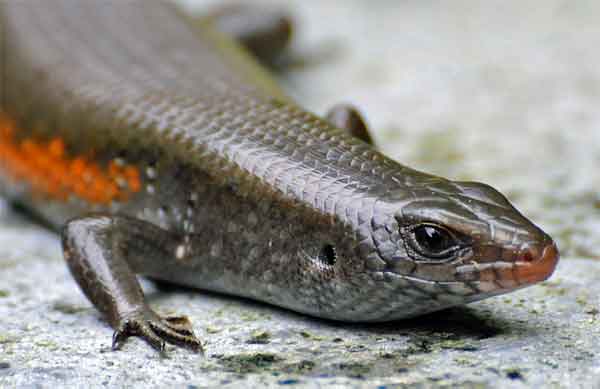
{"type": "Point", "coordinates": [503, 92]}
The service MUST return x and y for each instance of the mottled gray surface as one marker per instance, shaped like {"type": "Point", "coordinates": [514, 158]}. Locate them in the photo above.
{"type": "Point", "coordinates": [507, 93]}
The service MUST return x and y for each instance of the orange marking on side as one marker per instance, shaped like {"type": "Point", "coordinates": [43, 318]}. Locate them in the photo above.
{"type": "Point", "coordinates": [48, 169]}
{"type": "Point", "coordinates": [133, 178]}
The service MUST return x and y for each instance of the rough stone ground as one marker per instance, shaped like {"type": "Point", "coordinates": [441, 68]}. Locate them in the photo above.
{"type": "Point", "coordinates": [505, 92]}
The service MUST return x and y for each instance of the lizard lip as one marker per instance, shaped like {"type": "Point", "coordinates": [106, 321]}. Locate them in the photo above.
{"type": "Point", "coordinates": [531, 265]}
{"type": "Point", "coordinates": [535, 265]}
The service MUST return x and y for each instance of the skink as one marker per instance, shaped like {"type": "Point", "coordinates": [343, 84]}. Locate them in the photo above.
{"type": "Point", "coordinates": [161, 148]}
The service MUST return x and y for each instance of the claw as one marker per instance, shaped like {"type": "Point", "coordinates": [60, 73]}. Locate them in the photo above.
{"type": "Point", "coordinates": [180, 324]}
{"type": "Point", "coordinates": [156, 330]}
{"type": "Point", "coordinates": [174, 337]}
{"type": "Point", "coordinates": [181, 331]}
{"type": "Point", "coordinates": [118, 339]}
{"type": "Point", "coordinates": [152, 337]}
{"type": "Point", "coordinates": [183, 321]}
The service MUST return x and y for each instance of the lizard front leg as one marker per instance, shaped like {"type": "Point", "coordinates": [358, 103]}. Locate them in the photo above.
{"type": "Point", "coordinates": [104, 253]}
{"type": "Point", "coordinates": [348, 118]}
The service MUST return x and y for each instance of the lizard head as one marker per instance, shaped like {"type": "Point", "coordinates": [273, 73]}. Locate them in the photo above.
{"type": "Point", "coordinates": [466, 239]}
{"type": "Point", "coordinates": [431, 244]}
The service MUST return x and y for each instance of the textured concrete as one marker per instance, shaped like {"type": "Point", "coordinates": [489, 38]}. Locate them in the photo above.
{"type": "Point", "coordinates": [502, 92]}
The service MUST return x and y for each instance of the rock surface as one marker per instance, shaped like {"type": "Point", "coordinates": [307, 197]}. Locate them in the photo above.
{"type": "Point", "coordinates": [502, 92]}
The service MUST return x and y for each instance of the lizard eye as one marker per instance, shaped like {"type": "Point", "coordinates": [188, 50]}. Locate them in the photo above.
{"type": "Point", "coordinates": [432, 241]}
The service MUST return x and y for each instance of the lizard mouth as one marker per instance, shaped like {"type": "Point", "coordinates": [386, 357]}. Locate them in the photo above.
{"type": "Point", "coordinates": [531, 265]}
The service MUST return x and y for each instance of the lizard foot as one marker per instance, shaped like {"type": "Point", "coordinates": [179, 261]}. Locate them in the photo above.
{"type": "Point", "coordinates": [156, 330]}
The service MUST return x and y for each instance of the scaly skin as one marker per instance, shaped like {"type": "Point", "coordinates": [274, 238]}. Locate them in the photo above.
{"type": "Point", "coordinates": [198, 170]}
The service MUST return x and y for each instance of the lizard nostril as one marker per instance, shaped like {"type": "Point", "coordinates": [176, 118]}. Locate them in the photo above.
{"type": "Point", "coordinates": [538, 263]}
{"type": "Point", "coordinates": [531, 252]}
{"type": "Point", "coordinates": [528, 255]}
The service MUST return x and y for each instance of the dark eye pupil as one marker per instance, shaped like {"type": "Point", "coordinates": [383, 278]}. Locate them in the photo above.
{"type": "Point", "coordinates": [432, 239]}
